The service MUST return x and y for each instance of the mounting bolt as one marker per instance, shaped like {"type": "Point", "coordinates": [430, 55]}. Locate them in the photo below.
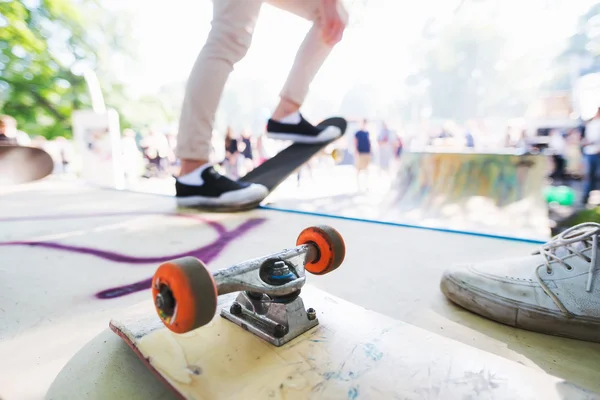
{"type": "Point", "coordinates": [235, 308]}
{"type": "Point", "coordinates": [311, 314]}
{"type": "Point", "coordinates": [279, 331]}
{"type": "Point", "coordinates": [280, 268]}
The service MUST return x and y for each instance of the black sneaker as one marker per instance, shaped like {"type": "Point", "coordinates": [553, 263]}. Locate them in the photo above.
{"type": "Point", "coordinates": [219, 192]}
{"type": "Point", "coordinates": [302, 132]}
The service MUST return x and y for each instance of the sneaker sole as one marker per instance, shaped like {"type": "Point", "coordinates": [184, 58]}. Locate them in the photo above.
{"type": "Point", "coordinates": [301, 138]}
{"type": "Point", "coordinates": [519, 315]}
{"type": "Point", "coordinates": [221, 208]}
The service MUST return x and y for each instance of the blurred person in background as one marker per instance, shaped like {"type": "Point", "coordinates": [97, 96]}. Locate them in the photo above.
{"type": "Point", "coordinates": [247, 151]}
{"type": "Point", "coordinates": [385, 142]}
{"type": "Point", "coordinates": [362, 153]}
{"type": "Point", "coordinates": [9, 134]}
{"type": "Point", "coordinates": [4, 129]}
{"type": "Point", "coordinates": [522, 145]}
{"type": "Point", "coordinates": [557, 145]}
{"type": "Point", "coordinates": [573, 157]}
{"type": "Point", "coordinates": [65, 153]}
{"type": "Point", "coordinates": [132, 156]}
{"type": "Point", "coordinates": [591, 151]}
{"type": "Point", "coordinates": [470, 133]}
{"type": "Point", "coordinates": [157, 150]}
{"type": "Point", "coordinates": [232, 154]}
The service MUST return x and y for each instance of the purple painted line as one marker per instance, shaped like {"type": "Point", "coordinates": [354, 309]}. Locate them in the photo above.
{"type": "Point", "coordinates": [124, 290]}
{"type": "Point", "coordinates": [50, 217]}
{"type": "Point", "coordinates": [205, 253]}
{"type": "Point", "coordinates": [80, 216]}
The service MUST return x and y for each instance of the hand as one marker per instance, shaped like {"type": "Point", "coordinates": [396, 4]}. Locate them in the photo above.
{"type": "Point", "coordinates": [333, 21]}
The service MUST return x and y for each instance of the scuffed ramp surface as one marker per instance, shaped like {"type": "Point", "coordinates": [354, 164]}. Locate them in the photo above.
{"type": "Point", "coordinates": [491, 193]}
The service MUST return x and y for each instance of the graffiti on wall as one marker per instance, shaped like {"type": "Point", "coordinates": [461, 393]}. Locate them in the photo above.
{"type": "Point", "coordinates": [428, 178]}
{"type": "Point", "coordinates": [206, 253]}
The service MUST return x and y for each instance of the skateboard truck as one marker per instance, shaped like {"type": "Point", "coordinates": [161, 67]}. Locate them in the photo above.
{"type": "Point", "coordinates": [268, 304]}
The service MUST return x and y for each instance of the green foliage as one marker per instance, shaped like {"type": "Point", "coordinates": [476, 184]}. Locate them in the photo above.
{"type": "Point", "coordinates": [467, 71]}
{"type": "Point", "coordinates": [38, 43]}
{"type": "Point", "coordinates": [579, 217]}
{"type": "Point", "coordinates": [460, 69]}
{"type": "Point", "coordinates": [587, 39]}
{"type": "Point", "coordinates": [45, 45]}
{"type": "Point", "coordinates": [583, 46]}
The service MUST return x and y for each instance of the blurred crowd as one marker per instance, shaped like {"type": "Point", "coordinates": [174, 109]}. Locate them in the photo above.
{"type": "Point", "coordinates": [367, 145]}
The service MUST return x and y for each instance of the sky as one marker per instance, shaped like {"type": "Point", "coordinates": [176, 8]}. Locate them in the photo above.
{"type": "Point", "coordinates": [376, 49]}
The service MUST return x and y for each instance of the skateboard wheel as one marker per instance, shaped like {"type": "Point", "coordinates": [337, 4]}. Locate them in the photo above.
{"type": "Point", "coordinates": [184, 294]}
{"type": "Point", "coordinates": [330, 246]}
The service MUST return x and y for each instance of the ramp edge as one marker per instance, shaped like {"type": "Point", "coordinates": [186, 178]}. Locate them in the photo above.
{"type": "Point", "coordinates": [404, 225]}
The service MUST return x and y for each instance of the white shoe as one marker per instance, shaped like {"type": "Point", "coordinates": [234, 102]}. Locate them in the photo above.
{"type": "Point", "coordinates": [556, 290]}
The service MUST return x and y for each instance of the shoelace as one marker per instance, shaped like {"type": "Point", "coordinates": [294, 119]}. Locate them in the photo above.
{"type": "Point", "coordinates": [586, 235]}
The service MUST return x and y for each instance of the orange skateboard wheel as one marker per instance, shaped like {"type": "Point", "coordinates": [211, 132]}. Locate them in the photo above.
{"type": "Point", "coordinates": [330, 246]}
{"type": "Point", "coordinates": [184, 294]}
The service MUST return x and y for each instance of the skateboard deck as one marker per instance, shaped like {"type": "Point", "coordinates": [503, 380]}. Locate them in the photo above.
{"type": "Point", "coordinates": [278, 168]}
{"type": "Point", "coordinates": [353, 353]}
{"type": "Point", "coordinates": [256, 330]}
{"type": "Point", "coordinates": [22, 164]}
{"type": "Point", "coordinates": [274, 171]}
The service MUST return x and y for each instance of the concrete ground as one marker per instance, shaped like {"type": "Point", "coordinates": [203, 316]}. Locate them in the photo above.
{"type": "Point", "coordinates": [330, 189]}
{"type": "Point", "coordinates": [104, 245]}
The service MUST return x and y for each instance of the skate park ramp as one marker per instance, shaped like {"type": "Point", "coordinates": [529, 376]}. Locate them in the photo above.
{"type": "Point", "coordinates": [494, 194]}
{"type": "Point", "coordinates": [73, 256]}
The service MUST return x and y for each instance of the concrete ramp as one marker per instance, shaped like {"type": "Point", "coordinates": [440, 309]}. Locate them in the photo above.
{"type": "Point", "coordinates": [490, 193]}
{"type": "Point", "coordinates": [493, 194]}
{"type": "Point", "coordinates": [72, 257]}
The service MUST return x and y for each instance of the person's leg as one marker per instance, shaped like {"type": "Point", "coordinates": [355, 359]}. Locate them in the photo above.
{"type": "Point", "coordinates": [286, 122]}
{"type": "Point", "coordinates": [360, 168]}
{"type": "Point", "coordinates": [589, 178]}
{"type": "Point", "coordinates": [595, 173]}
{"type": "Point", "coordinates": [562, 163]}
{"type": "Point", "coordinates": [227, 43]}
{"type": "Point", "coordinates": [199, 184]}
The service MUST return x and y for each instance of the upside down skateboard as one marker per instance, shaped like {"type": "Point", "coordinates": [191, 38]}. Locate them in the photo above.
{"type": "Point", "coordinates": [22, 164]}
{"type": "Point", "coordinates": [256, 331]}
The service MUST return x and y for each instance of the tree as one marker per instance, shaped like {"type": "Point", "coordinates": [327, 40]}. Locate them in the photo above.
{"type": "Point", "coordinates": [44, 47]}
{"type": "Point", "coordinates": [38, 43]}
{"type": "Point", "coordinates": [469, 76]}
{"type": "Point", "coordinates": [581, 54]}
{"type": "Point", "coordinates": [469, 66]}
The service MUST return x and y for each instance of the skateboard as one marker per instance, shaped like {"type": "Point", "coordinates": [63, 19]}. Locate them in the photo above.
{"type": "Point", "coordinates": [274, 171]}
{"type": "Point", "coordinates": [22, 164]}
{"type": "Point", "coordinates": [255, 330]}
{"type": "Point", "coordinates": [278, 168]}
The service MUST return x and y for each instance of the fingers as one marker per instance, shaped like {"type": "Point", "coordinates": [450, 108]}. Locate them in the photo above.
{"type": "Point", "coordinates": [332, 31]}
{"type": "Point", "coordinates": [333, 23]}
